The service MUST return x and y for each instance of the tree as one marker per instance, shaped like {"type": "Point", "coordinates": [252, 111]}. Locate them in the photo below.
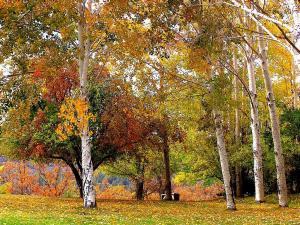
{"type": "Point", "coordinates": [89, 194]}
{"type": "Point", "coordinates": [294, 9]}
{"type": "Point", "coordinates": [280, 167]}
{"type": "Point", "coordinates": [237, 128]}
{"type": "Point", "coordinates": [255, 127]}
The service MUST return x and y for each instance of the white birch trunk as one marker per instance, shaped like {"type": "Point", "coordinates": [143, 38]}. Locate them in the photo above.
{"type": "Point", "coordinates": [255, 128]}
{"type": "Point", "coordinates": [224, 160]}
{"type": "Point", "coordinates": [279, 159]}
{"type": "Point", "coordinates": [237, 111]}
{"type": "Point", "coordinates": [238, 180]}
{"type": "Point", "coordinates": [89, 197]}
{"type": "Point", "coordinates": [295, 10]}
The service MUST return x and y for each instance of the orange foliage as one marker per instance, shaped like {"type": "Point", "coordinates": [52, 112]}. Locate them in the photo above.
{"type": "Point", "coordinates": [198, 192]}
{"type": "Point", "coordinates": [38, 179]}
{"type": "Point", "coordinates": [115, 192]}
{"type": "Point", "coordinates": [193, 193]}
{"type": "Point", "coordinates": [56, 180]}
{"type": "Point", "coordinates": [187, 193]}
{"type": "Point", "coordinates": [21, 177]}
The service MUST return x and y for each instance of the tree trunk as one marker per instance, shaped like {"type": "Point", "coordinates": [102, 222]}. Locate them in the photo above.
{"type": "Point", "coordinates": [166, 153]}
{"type": "Point", "coordinates": [139, 191]}
{"type": "Point", "coordinates": [89, 195]}
{"type": "Point", "coordinates": [224, 161]}
{"type": "Point", "coordinates": [255, 128]}
{"type": "Point", "coordinates": [160, 186]}
{"type": "Point", "coordinates": [79, 183]}
{"type": "Point", "coordinates": [295, 10]}
{"type": "Point", "coordinates": [77, 176]}
{"type": "Point", "coordinates": [237, 132]}
{"type": "Point", "coordinates": [279, 159]}
{"type": "Point", "coordinates": [239, 182]}
{"type": "Point", "coordinates": [293, 81]}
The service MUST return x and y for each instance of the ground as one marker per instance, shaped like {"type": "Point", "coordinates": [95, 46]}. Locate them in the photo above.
{"type": "Point", "coordinates": [16, 210]}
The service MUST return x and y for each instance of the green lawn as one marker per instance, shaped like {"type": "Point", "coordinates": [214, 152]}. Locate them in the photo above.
{"type": "Point", "coordinates": [43, 210]}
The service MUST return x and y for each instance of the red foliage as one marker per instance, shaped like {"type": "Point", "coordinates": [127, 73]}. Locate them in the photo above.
{"type": "Point", "coordinates": [37, 73]}
{"type": "Point", "coordinates": [57, 84]}
{"type": "Point", "coordinates": [125, 124]}
{"type": "Point", "coordinates": [60, 86]}
{"type": "Point", "coordinates": [39, 119]}
{"type": "Point", "coordinates": [38, 150]}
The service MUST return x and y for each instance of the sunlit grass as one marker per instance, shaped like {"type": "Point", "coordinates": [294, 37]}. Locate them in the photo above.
{"type": "Point", "coordinates": [43, 210]}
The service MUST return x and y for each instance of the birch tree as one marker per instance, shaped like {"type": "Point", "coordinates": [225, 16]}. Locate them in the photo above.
{"type": "Point", "coordinates": [255, 128]}
{"type": "Point", "coordinates": [279, 159]}
{"type": "Point", "coordinates": [89, 195]}
{"type": "Point", "coordinates": [224, 160]}
{"type": "Point", "coordinates": [218, 121]}
{"type": "Point", "coordinates": [295, 12]}
{"type": "Point", "coordinates": [237, 127]}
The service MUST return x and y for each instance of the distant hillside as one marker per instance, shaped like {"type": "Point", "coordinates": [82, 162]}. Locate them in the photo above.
{"type": "Point", "coordinates": [2, 159]}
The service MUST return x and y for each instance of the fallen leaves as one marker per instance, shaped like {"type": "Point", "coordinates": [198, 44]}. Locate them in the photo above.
{"type": "Point", "coordinates": [16, 209]}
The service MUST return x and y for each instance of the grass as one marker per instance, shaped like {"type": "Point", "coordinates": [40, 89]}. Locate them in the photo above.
{"type": "Point", "coordinates": [38, 210]}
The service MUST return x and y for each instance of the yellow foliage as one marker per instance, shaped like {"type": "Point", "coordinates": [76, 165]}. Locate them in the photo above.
{"type": "Point", "coordinates": [75, 117]}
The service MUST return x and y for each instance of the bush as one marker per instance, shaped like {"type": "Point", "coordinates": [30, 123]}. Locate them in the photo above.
{"type": "Point", "coordinates": [199, 192]}
{"type": "Point", "coordinates": [6, 188]}
{"type": "Point", "coordinates": [115, 192]}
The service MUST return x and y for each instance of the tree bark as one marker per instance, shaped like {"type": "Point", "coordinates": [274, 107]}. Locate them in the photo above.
{"type": "Point", "coordinates": [255, 129]}
{"type": "Point", "coordinates": [224, 160]}
{"type": "Point", "coordinates": [89, 195]}
{"type": "Point", "coordinates": [279, 159]}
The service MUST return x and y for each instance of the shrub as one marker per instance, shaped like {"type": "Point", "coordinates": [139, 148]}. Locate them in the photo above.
{"type": "Point", "coordinates": [199, 192]}
{"type": "Point", "coordinates": [6, 188]}
{"type": "Point", "coordinates": [115, 192]}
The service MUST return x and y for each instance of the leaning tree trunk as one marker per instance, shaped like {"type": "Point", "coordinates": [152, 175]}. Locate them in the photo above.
{"type": "Point", "coordinates": [77, 176]}
{"type": "Point", "coordinates": [279, 159]}
{"type": "Point", "coordinates": [255, 128]}
{"type": "Point", "coordinates": [224, 160]}
{"type": "Point", "coordinates": [295, 10]}
{"type": "Point", "coordinates": [89, 197]}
